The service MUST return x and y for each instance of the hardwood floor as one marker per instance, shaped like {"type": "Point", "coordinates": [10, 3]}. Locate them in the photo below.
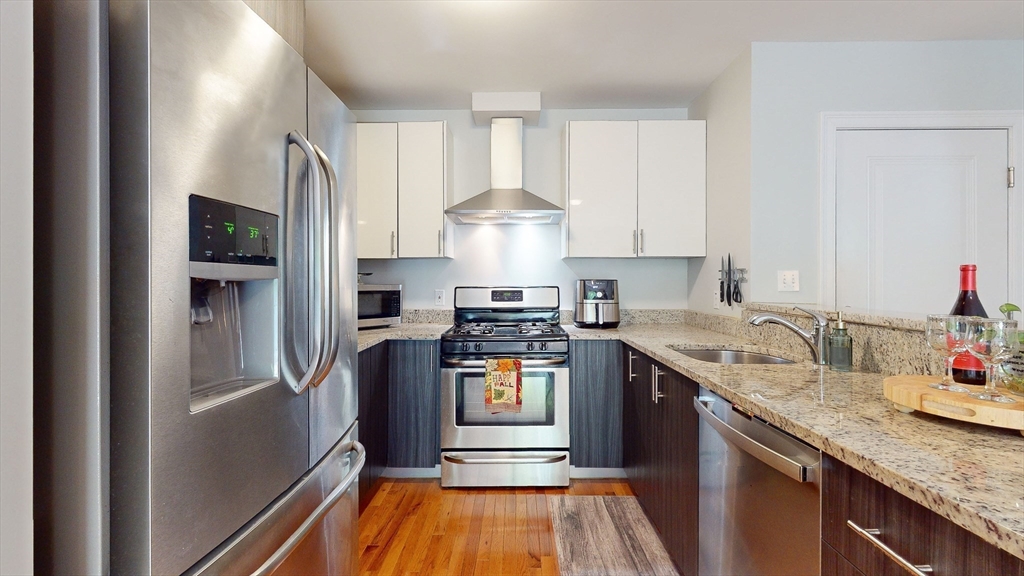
{"type": "Point", "coordinates": [416, 527]}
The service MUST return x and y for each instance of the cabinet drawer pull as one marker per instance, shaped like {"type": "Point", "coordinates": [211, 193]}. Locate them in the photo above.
{"type": "Point", "coordinates": [392, 242]}
{"type": "Point", "coordinates": [655, 392]}
{"type": "Point", "coordinates": [440, 252]}
{"type": "Point", "coordinates": [870, 534]}
{"type": "Point", "coordinates": [641, 241]}
{"type": "Point", "coordinates": [634, 242]}
{"type": "Point", "coordinates": [631, 375]}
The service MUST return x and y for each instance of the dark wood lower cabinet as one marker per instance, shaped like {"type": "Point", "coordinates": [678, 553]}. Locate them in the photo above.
{"type": "Point", "coordinates": [915, 533]}
{"type": "Point", "coordinates": [414, 392]}
{"type": "Point", "coordinates": [595, 404]}
{"type": "Point", "coordinates": [660, 452]}
{"type": "Point", "coordinates": [373, 418]}
{"type": "Point", "coordinates": [833, 563]}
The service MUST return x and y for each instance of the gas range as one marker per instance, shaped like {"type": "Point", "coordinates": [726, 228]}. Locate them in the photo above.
{"type": "Point", "coordinates": [525, 447]}
{"type": "Point", "coordinates": [509, 321]}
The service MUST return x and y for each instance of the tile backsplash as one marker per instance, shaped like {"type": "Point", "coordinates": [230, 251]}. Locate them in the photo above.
{"type": "Point", "coordinates": [880, 344]}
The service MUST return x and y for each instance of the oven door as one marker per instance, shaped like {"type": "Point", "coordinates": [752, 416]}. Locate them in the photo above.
{"type": "Point", "coordinates": [543, 422]}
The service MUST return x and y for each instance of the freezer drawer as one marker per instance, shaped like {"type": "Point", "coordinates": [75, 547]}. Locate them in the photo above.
{"type": "Point", "coordinates": [759, 495]}
{"type": "Point", "coordinates": [310, 529]}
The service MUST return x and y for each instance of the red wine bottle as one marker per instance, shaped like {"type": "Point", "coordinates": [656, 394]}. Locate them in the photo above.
{"type": "Point", "coordinates": [966, 368]}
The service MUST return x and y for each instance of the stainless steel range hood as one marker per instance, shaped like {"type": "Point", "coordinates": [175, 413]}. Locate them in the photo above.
{"type": "Point", "coordinates": [506, 202]}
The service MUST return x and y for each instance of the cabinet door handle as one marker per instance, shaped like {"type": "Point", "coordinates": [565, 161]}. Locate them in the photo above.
{"type": "Point", "coordinates": [634, 242]}
{"type": "Point", "coordinates": [641, 241]}
{"type": "Point", "coordinates": [439, 250]}
{"type": "Point", "coordinates": [870, 534]}
{"type": "Point", "coordinates": [655, 393]}
{"type": "Point", "coordinates": [392, 242]}
{"type": "Point", "coordinates": [631, 375]}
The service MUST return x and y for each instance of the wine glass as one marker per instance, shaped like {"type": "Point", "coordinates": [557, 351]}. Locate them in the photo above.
{"type": "Point", "coordinates": [991, 340]}
{"type": "Point", "coordinates": [947, 334]}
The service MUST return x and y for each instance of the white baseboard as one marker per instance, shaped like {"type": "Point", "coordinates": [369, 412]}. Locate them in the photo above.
{"type": "Point", "coordinates": [585, 473]}
{"type": "Point", "coordinates": [435, 472]}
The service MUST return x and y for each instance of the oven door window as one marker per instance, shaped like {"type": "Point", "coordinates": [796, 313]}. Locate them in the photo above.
{"type": "Point", "coordinates": [538, 401]}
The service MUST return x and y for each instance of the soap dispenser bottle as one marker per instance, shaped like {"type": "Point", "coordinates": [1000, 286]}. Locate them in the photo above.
{"type": "Point", "coordinates": [840, 347]}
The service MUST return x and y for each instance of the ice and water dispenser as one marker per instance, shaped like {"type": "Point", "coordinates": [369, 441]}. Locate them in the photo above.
{"type": "Point", "coordinates": [233, 269]}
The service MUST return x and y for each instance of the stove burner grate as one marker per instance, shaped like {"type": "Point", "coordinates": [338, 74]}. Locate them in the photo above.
{"type": "Point", "coordinates": [474, 329]}
{"type": "Point", "coordinates": [535, 328]}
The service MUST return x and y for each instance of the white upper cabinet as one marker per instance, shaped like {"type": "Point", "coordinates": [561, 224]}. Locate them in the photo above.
{"type": "Point", "coordinates": [671, 188]}
{"type": "Point", "coordinates": [422, 189]}
{"type": "Point", "coordinates": [377, 190]}
{"type": "Point", "coordinates": [601, 209]}
{"type": "Point", "coordinates": [404, 187]}
{"type": "Point", "coordinates": [635, 189]}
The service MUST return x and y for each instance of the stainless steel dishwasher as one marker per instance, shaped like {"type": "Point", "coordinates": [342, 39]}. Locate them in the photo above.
{"type": "Point", "coordinates": [759, 495]}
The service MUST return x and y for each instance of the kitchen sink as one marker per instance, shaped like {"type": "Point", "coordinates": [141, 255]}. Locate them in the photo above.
{"type": "Point", "coordinates": [730, 356]}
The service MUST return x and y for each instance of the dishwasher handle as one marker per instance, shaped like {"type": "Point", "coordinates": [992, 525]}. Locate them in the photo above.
{"type": "Point", "coordinates": [780, 462]}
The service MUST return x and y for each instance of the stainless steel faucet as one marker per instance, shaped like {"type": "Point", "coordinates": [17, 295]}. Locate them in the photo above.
{"type": "Point", "coordinates": [817, 340]}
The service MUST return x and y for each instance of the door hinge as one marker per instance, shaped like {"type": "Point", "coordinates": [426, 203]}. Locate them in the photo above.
{"type": "Point", "coordinates": [1009, 177]}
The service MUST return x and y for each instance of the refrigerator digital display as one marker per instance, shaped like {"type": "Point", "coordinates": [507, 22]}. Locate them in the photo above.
{"type": "Point", "coordinates": [223, 232]}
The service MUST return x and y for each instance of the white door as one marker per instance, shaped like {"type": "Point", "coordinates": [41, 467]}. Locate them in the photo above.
{"type": "Point", "coordinates": [602, 189]}
{"type": "Point", "coordinates": [377, 190]}
{"type": "Point", "coordinates": [671, 187]}
{"type": "Point", "coordinates": [421, 189]}
{"type": "Point", "coordinates": [911, 206]}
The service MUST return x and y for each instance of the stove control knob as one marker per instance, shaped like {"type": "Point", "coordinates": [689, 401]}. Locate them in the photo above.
{"type": "Point", "coordinates": [478, 346]}
{"type": "Point", "coordinates": [465, 346]}
{"type": "Point", "coordinates": [529, 345]}
{"type": "Point", "coordinates": [543, 345]}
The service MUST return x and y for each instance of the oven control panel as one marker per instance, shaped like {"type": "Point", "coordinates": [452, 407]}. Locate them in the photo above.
{"type": "Point", "coordinates": [506, 295]}
{"type": "Point", "coordinates": [494, 347]}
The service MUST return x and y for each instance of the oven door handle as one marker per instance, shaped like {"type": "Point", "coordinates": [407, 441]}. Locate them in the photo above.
{"type": "Point", "coordinates": [555, 361]}
{"type": "Point", "coordinates": [524, 460]}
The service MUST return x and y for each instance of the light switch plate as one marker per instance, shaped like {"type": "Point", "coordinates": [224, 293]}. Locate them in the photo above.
{"type": "Point", "coordinates": [438, 297]}
{"type": "Point", "coordinates": [789, 280]}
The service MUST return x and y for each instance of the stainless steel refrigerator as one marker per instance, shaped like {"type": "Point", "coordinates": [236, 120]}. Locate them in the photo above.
{"type": "Point", "coordinates": [198, 206]}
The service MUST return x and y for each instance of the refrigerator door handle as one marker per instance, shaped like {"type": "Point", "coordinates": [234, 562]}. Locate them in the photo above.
{"type": "Point", "coordinates": [279, 555]}
{"type": "Point", "coordinates": [301, 379]}
{"type": "Point", "coordinates": [332, 284]}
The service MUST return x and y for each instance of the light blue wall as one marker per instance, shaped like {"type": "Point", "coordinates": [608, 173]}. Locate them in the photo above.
{"type": "Point", "coordinates": [792, 83]}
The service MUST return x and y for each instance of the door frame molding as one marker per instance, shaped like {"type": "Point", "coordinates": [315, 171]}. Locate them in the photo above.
{"type": "Point", "coordinates": [833, 122]}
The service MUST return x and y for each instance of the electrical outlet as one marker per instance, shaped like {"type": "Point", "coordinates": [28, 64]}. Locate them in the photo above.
{"type": "Point", "coordinates": [716, 298]}
{"type": "Point", "coordinates": [789, 280]}
{"type": "Point", "coordinates": [438, 297]}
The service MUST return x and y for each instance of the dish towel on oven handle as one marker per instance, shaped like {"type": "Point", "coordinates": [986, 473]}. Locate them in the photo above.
{"type": "Point", "coordinates": [503, 385]}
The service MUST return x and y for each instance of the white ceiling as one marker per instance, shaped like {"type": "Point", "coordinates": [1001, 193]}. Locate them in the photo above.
{"type": "Point", "coordinates": [592, 54]}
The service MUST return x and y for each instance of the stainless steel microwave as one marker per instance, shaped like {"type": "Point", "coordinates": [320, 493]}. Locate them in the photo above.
{"type": "Point", "coordinates": [379, 305]}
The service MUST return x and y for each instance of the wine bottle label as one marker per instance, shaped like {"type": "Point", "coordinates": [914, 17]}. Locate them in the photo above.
{"type": "Point", "coordinates": [966, 361]}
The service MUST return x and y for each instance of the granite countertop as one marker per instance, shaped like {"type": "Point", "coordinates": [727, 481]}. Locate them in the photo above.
{"type": "Point", "coordinates": [970, 474]}
{"type": "Point", "coordinates": [373, 336]}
